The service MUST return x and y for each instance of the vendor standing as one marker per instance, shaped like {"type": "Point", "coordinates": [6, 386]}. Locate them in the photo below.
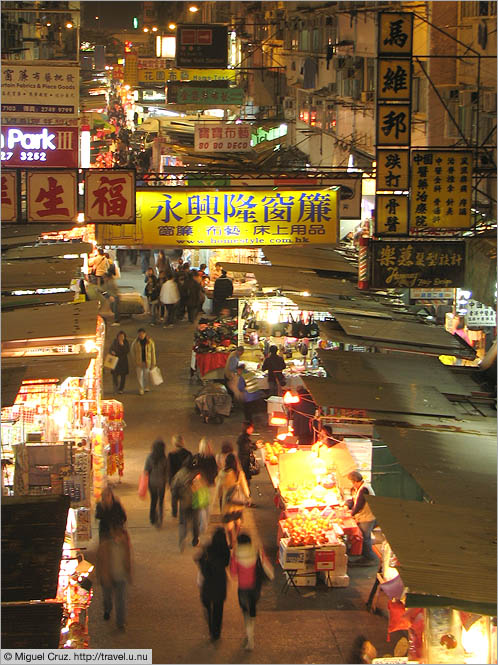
{"type": "Point", "coordinates": [231, 365]}
{"type": "Point", "coordinates": [364, 517]}
{"type": "Point", "coordinates": [223, 289]}
{"type": "Point", "coordinates": [274, 365]}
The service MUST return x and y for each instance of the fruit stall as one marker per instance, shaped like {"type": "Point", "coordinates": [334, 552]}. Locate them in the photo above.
{"type": "Point", "coordinates": [316, 531]}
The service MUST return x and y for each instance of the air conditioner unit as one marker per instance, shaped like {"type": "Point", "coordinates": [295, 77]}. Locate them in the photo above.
{"type": "Point", "coordinates": [367, 96]}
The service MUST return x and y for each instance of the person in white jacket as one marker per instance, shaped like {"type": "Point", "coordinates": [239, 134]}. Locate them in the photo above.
{"type": "Point", "coordinates": [169, 296]}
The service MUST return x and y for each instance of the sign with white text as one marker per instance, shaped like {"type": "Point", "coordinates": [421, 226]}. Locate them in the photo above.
{"type": "Point", "coordinates": [202, 46]}
{"type": "Point", "coordinates": [154, 75]}
{"type": "Point", "coordinates": [39, 146]}
{"type": "Point", "coordinates": [222, 137]}
{"type": "Point", "coordinates": [40, 91]}
{"type": "Point", "coordinates": [52, 196]}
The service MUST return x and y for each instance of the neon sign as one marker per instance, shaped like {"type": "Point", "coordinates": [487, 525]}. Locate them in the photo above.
{"type": "Point", "coordinates": [39, 146]}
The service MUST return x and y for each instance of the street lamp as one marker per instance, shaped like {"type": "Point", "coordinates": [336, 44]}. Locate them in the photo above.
{"type": "Point", "coordinates": [193, 9]}
{"type": "Point", "coordinates": [172, 26]}
{"type": "Point", "coordinates": [154, 29]}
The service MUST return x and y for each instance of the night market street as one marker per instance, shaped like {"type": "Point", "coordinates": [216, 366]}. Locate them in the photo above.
{"type": "Point", "coordinates": [164, 609]}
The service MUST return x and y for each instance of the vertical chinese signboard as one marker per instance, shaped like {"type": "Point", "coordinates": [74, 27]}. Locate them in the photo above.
{"type": "Point", "coordinates": [52, 196]}
{"type": "Point", "coordinates": [441, 190]}
{"type": "Point", "coordinates": [110, 196]}
{"type": "Point", "coordinates": [393, 122]}
{"type": "Point", "coordinates": [9, 196]}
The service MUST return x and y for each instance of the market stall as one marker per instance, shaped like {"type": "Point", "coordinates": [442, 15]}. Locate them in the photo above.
{"type": "Point", "coordinates": [214, 339]}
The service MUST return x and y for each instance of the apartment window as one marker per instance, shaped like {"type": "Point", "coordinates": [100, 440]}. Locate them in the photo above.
{"type": "Point", "coordinates": [316, 46]}
{"type": "Point", "coordinates": [419, 95]}
{"type": "Point", "coordinates": [304, 40]}
{"type": "Point", "coordinates": [475, 8]}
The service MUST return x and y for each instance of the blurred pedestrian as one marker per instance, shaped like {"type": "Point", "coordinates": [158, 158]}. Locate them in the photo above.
{"type": "Point", "coordinates": [169, 296]}
{"type": "Point", "coordinates": [250, 566]}
{"type": "Point", "coordinates": [182, 280]}
{"type": "Point", "coordinates": [223, 289]}
{"type": "Point", "coordinates": [109, 512]}
{"type": "Point", "coordinates": [274, 365]}
{"type": "Point", "coordinates": [144, 259]}
{"type": "Point", "coordinates": [143, 352]}
{"type": "Point", "coordinates": [208, 470]}
{"type": "Point", "coordinates": [195, 295]}
{"type": "Point", "coordinates": [207, 462]}
{"type": "Point", "coordinates": [151, 291]}
{"type": "Point", "coordinates": [246, 448]}
{"type": "Point", "coordinates": [232, 488]}
{"type": "Point", "coordinates": [98, 265]}
{"type": "Point", "coordinates": [114, 573]}
{"type": "Point", "coordinates": [226, 449]}
{"type": "Point", "coordinates": [162, 262]}
{"type": "Point", "coordinates": [212, 563]}
{"type": "Point", "coordinates": [156, 466]}
{"type": "Point", "coordinates": [175, 461]}
{"type": "Point", "coordinates": [247, 392]}
{"type": "Point", "coordinates": [120, 348]}
{"type": "Point", "coordinates": [181, 488]}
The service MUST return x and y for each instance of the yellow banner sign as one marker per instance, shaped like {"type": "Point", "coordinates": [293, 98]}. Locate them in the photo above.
{"type": "Point", "coordinates": [168, 217]}
{"type": "Point", "coordinates": [395, 34]}
{"type": "Point", "coordinates": [441, 189]}
{"type": "Point", "coordinates": [394, 81]}
{"type": "Point", "coordinates": [393, 124]}
{"type": "Point", "coordinates": [391, 214]}
{"type": "Point", "coordinates": [393, 170]}
{"type": "Point", "coordinates": [164, 75]}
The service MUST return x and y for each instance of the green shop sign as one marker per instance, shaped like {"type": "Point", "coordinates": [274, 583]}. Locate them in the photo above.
{"type": "Point", "coordinates": [210, 96]}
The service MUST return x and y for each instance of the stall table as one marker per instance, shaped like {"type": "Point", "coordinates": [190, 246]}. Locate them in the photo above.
{"type": "Point", "coordinates": [208, 362]}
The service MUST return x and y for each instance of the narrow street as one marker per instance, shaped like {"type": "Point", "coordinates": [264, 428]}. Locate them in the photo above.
{"type": "Point", "coordinates": [164, 608]}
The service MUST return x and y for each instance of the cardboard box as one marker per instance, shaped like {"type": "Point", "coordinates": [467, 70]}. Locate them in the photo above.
{"type": "Point", "coordinates": [293, 557]}
{"type": "Point", "coordinates": [274, 403]}
{"type": "Point", "coordinates": [338, 581]}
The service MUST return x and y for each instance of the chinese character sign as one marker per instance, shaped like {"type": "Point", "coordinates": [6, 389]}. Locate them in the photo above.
{"type": "Point", "coordinates": [52, 196]}
{"type": "Point", "coordinates": [395, 34]}
{"type": "Point", "coordinates": [441, 189]}
{"type": "Point", "coordinates": [110, 196]}
{"type": "Point", "coordinates": [202, 97]}
{"type": "Point", "coordinates": [391, 214]}
{"type": "Point", "coordinates": [9, 196]}
{"type": "Point", "coordinates": [394, 80]}
{"type": "Point", "coordinates": [417, 264]}
{"type": "Point", "coordinates": [393, 124]}
{"type": "Point", "coordinates": [393, 169]}
{"type": "Point", "coordinates": [232, 218]}
{"type": "Point", "coordinates": [154, 75]}
{"type": "Point", "coordinates": [130, 72]}
{"type": "Point", "coordinates": [479, 314]}
{"type": "Point", "coordinates": [32, 91]}
{"type": "Point", "coordinates": [222, 137]}
{"type": "Point", "coordinates": [202, 46]}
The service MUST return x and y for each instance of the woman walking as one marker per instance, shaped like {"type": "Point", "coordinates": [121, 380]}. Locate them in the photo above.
{"type": "Point", "coordinates": [110, 513]}
{"type": "Point", "coordinates": [212, 564]}
{"type": "Point", "coordinates": [156, 466]}
{"type": "Point", "coordinates": [169, 297]}
{"type": "Point", "coordinates": [120, 348]}
{"type": "Point", "coordinates": [250, 566]}
{"type": "Point", "coordinates": [114, 573]}
{"type": "Point", "coordinates": [231, 486]}
{"type": "Point", "coordinates": [246, 450]}
{"type": "Point", "coordinates": [208, 470]}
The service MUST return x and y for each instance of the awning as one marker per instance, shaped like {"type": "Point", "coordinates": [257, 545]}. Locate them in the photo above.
{"type": "Point", "coordinates": [395, 368]}
{"type": "Point", "coordinates": [453, 468]}
{"type": "Point", "coordinates": [31, 626]}
{"type": "Point", "coordinates": [446, 554]}
{"type": "Point", "coordinates": [335, 305]}
{"type": "Point", "coordinates": [49, 250]}
{"type": "Point", "coordinates": [51, 322]}
{"type": "Point", "coordinates": [48, 366]}
{"type": "Point", "coordinates": [12, 302]}
{"type": "Point", "coordinates": [313, 258]}
{"type": "Point", "coordinates": [12, 377]}
{"type": "Point", "coordinates": [15, 235]}
{"type": "Point", "coordinates": [390, 397]}
{"type": "Point", "coordinates": [39, 273]}
{"type": "Point", "coordinates": [33, 530]}
{"type": "Point", "coordinates": [287, 279]}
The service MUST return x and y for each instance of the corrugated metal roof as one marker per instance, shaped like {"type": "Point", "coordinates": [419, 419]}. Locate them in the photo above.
{"type": "Point", "coordinates": [51, 321]}
{"type": "Point", "coordinates": [294, 280]}
{"type": "Point", "coordinates": [12, 377]}
{"type": "Point", "coordinates": [48, 250]}
{"type": "Point", "coordinates": [314, 258]}
{"type": "Point", "coordinates": [444, 552]}
{"type": "Point", "coordinates": [49, 367]}
{"type": "Point", "coordinates": [395, 397]}
{"type": "Point", "coordinates": [39, 273]}
{"type": "Point", "coordinates": [453, 468]}
{"type": "Point", "coordinates": [395, 368]}
{"type": "Point", "coordinates": [333, 304]}
{"type": "Point", "coordinates": [33, 530]}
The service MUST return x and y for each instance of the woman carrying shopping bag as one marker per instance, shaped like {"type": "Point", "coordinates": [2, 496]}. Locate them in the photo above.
{"type": "Point", "coordinates": [143, 351]}
{"type": "Point", "coordinates": [120, 348]}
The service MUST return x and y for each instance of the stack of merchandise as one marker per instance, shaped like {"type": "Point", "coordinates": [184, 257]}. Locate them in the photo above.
{"type": "Point", "coordinates": [216, 335]}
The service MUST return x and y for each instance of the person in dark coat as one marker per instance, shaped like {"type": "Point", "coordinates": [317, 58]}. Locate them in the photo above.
{"type": "Point", "coordinates": [223, 289]}
{"type": "Point", "coordinates": [110, 512]}
{"type": "Point", "coordinates": [156, 466]}
{"type": "Point", "coordinates": [195, 295]}
{"type": "Point", "coordinates": [120, 348]}
{"type": "Point", "coordinates": [245, 448]}
{"type": "Point", "coordinates": [175, 462]}
{"type": "Point", "coordinates": [212, 565]}
{"type": "Point", "coordinates": [302, 415]}
{"type": "Point", "coordinates": [182, 489]}
{"type": "Point", "coordinates": [207, 462]}
{"type": "Point", "coordinates": [274, 365]}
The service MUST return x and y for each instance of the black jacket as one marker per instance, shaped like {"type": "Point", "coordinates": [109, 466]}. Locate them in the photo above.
{"type": "Point", "coordinates": [158, 472]}
{"type": "Point", "coordinates": [275, 365]}
{"type": "Point", "coordinates": [121, 351]}
{"type": "Point", "coordinates": [114, 516]}
{"type": "Point", "coordinates": [245, 448]}
{"type": "Point", "coordinates": [223, 288]}
{"type": "Point", "coordinates": [175, 461]}
{"type": "Point", "coordinates": [213, 565]}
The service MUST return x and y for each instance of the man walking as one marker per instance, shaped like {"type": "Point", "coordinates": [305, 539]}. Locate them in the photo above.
{"type": "Point", "coordinates": [143, 351]}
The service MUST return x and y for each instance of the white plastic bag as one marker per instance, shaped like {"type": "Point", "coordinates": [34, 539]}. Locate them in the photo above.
{"type": "Point", "coordinates": [155, 376]}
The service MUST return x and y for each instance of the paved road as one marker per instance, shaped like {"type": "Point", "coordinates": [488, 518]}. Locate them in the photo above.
{"type": "Point", "coordinates": [164, 609]}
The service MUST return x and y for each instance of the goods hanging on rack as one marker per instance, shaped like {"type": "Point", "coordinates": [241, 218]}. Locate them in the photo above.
{"type": "Point", "coordinates": [214, 339]}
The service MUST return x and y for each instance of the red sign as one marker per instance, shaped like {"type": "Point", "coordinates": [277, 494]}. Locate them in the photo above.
{"type": "Point", "coordinates": [110, 196]}
{"type": "Point", "coordinates": [52, 196]}
{"type": "Point", "coordinates": [39, 146]}
{"type": "Point", "coordinates": [9, 196]}
{"type": "Point", "coordinates": [325, 560]}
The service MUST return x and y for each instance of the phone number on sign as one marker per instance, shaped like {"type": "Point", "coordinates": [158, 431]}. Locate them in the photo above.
{"type": "Point", "coordinates": [25, 156]}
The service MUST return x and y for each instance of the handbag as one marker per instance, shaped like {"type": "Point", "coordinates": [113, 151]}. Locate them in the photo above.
{"type": "Point", "coordinates": [111, 361]}
{"type": "Point", "coordinates": [235, 496]}
{"type": "Point", "coordinates": [155, 376]}
{"type": "Point", "coordinates": [143, 484]}
{"type": "Point", "coordinates": [254, 468]}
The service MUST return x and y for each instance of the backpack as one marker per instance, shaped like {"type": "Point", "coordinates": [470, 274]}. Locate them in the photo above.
{"type": "Point", "coordinates": [111, 271]}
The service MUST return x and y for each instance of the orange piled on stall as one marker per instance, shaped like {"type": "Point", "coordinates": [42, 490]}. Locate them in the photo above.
{"type": "Point", "coordinates": [311, 529]}
{"type": "Point", "coordinates": [273, 450]}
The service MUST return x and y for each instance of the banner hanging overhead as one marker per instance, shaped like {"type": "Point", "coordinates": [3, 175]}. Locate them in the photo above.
{"type": "Point", "coordinates": [222, 137]}
{"type": "Point", "coordinates": [417, 263]}
{"type": "Point", "coordinates": [229, 219]}
{"type": "Point", "coordinates": [153, 75]}
{"type": "Point", "coordinates": [110, 196]}
{"type": "Point", "coordinates": [39, 146]}
{"type": "Point", "coordinates": [52, 196]}
{"type": "Point", "coordinates": [35, 91]}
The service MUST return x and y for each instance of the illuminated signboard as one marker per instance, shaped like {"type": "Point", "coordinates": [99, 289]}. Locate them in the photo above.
{"type": "Point", "coordinates": [229, 219]}
{"type": "Point", "coordinates": [222, 137]}
{"type": "Point", "coordinates": [39, 146]}
{"type": "Point", "coordinates": [202, 45]}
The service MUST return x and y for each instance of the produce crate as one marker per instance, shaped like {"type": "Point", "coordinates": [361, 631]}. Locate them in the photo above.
{"type": "Point", "coordinates": [296, 558]}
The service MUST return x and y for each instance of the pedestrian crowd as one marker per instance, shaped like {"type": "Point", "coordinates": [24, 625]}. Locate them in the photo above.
{"type": "Point", "coordinates": [199, 483]}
